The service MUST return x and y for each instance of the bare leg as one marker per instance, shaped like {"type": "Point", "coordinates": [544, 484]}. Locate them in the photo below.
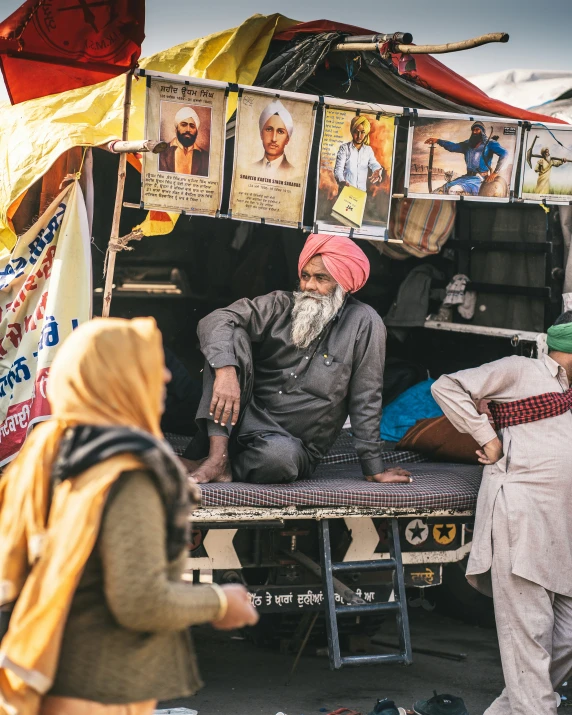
{"type": "Point", "coordinates": [216, 467]}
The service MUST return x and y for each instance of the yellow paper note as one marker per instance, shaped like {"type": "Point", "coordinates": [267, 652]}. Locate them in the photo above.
{"type": "Point", "coordinates": [350, 206]}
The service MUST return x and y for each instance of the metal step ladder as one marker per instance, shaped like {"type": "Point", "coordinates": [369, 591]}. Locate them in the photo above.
{"type": "Point", "coordinates": [397, 606]}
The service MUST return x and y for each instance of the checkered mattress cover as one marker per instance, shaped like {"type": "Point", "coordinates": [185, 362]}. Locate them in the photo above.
{"type": "Point", "coordinates": [338, 481]}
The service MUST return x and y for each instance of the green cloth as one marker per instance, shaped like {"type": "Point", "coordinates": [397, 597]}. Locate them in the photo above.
{"type": "Point", "coordinates": [560, 338]}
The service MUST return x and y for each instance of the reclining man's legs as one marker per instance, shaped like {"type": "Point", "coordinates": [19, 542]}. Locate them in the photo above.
{"type": "Point", "coordinates": [265, 457]}
{"type": "Point", "coordinates": [210, 446]}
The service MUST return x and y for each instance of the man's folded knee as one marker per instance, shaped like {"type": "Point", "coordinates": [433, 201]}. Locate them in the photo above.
{"type": "Point", "coordinates": [272, 474]}
{"type": "Point", "coordinates": [271, 460]}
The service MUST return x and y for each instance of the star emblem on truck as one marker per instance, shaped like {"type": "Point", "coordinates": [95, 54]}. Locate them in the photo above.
{"type": "Point", "coordinates": [444, 534]}
{"type": "Point", "coordinates": [416, 532]}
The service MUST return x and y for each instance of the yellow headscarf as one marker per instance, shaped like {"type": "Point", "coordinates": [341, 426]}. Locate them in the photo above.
{"type": "Point", "coordinates": [108, 372]}
{"type": "Point", "coordinates": [360, 121]}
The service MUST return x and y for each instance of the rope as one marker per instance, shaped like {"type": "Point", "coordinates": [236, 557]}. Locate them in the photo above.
{"type": "Point", "coordinates": [121, 244]}
{"type": "Point", "coordinates": [78, 173]}
{"type": "Point", "coordinates": [116, 245]}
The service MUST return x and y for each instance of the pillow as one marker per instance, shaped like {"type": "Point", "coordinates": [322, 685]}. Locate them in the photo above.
{"type": "Point", "coordinates": [437, 438]}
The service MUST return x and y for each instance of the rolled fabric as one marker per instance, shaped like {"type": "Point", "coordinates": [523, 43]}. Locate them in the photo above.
{"type": "Point", "coordinates": [343, 258]}
{"type": "Point", "coordinates": [276, 107]}
{"type": "Point", "coordinates": [560, 338]}
{"type": "Point", "coordinates": [186, 113]}
{"type": "Point", "coordinates": [360, 121]}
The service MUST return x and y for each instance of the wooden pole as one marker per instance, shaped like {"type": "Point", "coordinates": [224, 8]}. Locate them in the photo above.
{"type": "Point", "coordinates": [121, 172]}
{"type": "Point", "coordinates": [348, 46]}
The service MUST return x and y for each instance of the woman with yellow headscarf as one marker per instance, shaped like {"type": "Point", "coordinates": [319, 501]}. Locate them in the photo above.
{"type": "Point", "coordinates": [93, 529]}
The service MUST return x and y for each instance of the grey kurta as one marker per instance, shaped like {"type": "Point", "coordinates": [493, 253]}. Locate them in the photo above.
{"type": "Point", "coordinates": [309, 393]}
{"type": "Point", "coordinates": [535, 471]}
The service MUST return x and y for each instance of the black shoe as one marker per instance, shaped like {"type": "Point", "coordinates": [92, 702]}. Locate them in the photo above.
{"type": "Point", "coordinates": [386, 707]}
{"type": "Point", "coordinates": [441, 705]}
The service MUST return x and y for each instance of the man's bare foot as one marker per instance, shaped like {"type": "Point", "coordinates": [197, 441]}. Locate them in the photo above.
{"type": "Point", "coordinates": [396, 475]}
{"type": "Point", "coordinates": [191, 465]}
{"type": "Point", "coordinates": [212, 470]}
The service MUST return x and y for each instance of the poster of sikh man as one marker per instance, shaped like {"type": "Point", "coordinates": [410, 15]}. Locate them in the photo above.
{"type": "Point", "coordinates": [547, 165]}
{"type": "Point", "coordinates": [276, 129]}
{"type": "Point", "coordinates": [186, 153]}
{"type": "Point", "coordinates": [271, 155]}
{"type": "Point", "coordinates": [355, 165]}
{"type": "Point", "coordinates": [462, 157]}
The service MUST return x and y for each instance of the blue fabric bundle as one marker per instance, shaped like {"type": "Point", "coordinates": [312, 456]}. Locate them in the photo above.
{"type": "Point", "coordinates": [413, 405]}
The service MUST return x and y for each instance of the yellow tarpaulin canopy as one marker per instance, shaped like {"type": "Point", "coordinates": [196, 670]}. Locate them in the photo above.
{"type": "Point", "coordinates": [34, 134]}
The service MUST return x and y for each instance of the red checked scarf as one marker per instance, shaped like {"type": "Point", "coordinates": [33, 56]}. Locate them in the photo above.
{"type": "Point", "coordinates": [531, 409]}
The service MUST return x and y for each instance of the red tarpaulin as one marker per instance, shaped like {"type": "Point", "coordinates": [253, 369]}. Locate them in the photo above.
{"type": "Point", "coordinates": [431, 74]}
{"type": "Point", "coordinates": [51, 46]}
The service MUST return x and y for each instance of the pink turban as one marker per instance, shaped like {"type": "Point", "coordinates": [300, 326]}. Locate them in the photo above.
{"type": "Point", "coordinates": [345, 260]}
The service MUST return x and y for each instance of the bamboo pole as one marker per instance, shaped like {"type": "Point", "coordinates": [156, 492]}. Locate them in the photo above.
{"type": "Point", "coordinates": [348, 46]}
{"type": "Point", "coordinates": [121, 172]}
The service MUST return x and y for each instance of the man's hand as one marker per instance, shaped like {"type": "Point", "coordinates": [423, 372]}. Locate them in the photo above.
{"type": "Point", "coordinates": [333, 191]}
{"type": "Point", "coordinates": [240, 611]}
{"type": "Point", "coordinates": [377, 176]}
{"type": "Point", "coordinates": [491, 452]}
{"type": "Point", "coordinates": [432, 140]}
{"type": "Point", "coordinates": [491, 177]}
{"type": "Point", "coordinates": [395, 475]}
{"type": "Point", "coordinates": [225, 404]}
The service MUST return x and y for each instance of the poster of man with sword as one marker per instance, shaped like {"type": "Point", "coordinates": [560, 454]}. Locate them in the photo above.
{"type": "Point", "coordinates": [547, 167]}
{"type": "Point", "coordinates": [470, 157]}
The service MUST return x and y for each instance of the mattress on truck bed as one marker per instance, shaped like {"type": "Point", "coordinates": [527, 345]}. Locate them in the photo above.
{"type": "Point", "coordinates": [338, 482]}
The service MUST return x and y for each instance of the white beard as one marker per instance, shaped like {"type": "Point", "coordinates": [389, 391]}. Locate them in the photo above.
{"type": "Point", "coordinates": [311, 313]}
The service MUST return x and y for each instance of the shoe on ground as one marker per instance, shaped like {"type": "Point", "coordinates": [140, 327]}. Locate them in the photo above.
{"type": "Point", "coordinates": [441, 705]}
{"type": "Point", "coordinates": [386, 707]}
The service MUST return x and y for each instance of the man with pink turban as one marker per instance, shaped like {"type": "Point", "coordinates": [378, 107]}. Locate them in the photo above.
{"type": "Point", "coordinates": [284, 371]}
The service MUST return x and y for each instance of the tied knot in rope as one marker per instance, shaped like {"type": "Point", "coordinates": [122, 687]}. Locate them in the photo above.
{"type": "Point", "coordinates": [122, 243]}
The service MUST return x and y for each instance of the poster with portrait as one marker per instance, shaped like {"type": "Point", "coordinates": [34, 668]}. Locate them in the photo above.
{"type": "Point", "coordinates": [449, 157]}
{"type": "Point", "coordinates": [546, 172]}
{"type": "Point", "coordinates": [191, 118]}
{"type": "Point", "coordinates": [272, 152]}
{"type": "Point", "coordinates": [355, 171]}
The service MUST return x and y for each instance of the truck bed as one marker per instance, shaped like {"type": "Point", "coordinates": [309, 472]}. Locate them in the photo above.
{"type": "Point", "coordinates": [338, 488]}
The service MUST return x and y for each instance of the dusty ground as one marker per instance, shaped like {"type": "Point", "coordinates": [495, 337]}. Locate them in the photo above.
{"type": "Point", "coordinates": [243, 679]}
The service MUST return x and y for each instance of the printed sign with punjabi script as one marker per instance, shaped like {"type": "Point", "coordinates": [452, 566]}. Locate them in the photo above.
{"type": "Point", "coordinates": [272, 152]}
{"type": "Point", "coordinates": [191, 119]}
{"type": "Point", "coordinates": [45, 293]}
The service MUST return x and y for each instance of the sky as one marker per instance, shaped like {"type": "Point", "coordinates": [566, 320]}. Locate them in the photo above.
{"type": "Point", "coordinates": [539, 33]}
